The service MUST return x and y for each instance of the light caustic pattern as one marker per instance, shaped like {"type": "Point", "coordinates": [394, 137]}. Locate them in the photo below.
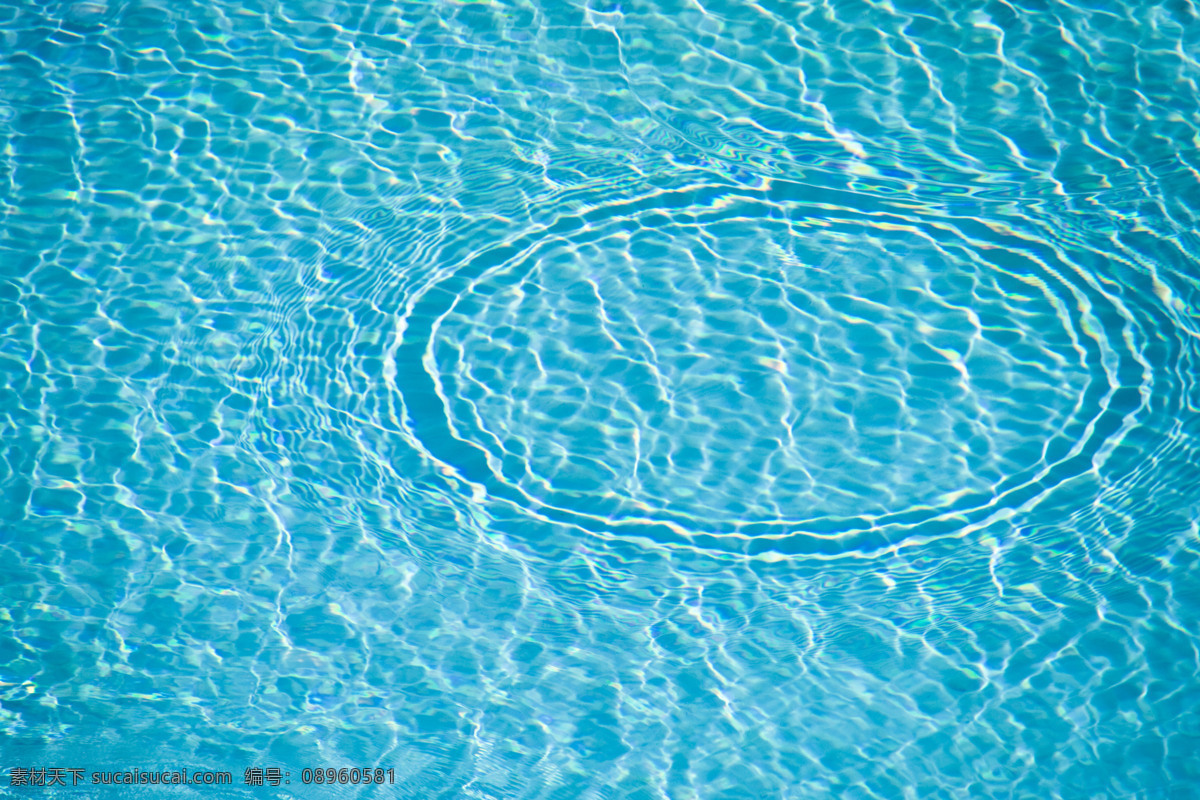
{"type": "Point", "coordinates": [589, 399]}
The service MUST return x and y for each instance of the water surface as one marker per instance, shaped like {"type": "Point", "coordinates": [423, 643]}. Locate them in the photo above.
{"type": "Point", "coordinates": [569, 400]}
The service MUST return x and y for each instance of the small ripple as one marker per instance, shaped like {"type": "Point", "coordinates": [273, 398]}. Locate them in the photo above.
{"type": "Point", "coordinates": [750, 371]}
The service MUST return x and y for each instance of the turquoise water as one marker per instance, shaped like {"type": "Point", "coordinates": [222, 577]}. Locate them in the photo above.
{"type": "Point", "coordinates": [597, 400]}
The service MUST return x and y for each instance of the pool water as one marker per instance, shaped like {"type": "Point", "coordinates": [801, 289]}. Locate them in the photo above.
{"type": "Point", "coordinates": [565, 399]}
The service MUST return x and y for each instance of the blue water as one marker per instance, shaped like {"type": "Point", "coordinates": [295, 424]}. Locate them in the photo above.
{"type": "Point", "coordinates": [601, 400]}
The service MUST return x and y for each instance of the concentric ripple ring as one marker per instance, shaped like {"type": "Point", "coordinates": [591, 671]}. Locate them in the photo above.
{"type": "Point", "coordinates": [763, 370]}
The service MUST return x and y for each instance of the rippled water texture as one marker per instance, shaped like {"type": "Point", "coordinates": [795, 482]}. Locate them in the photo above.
{"type": "Point", "coordinates": [563, 400]}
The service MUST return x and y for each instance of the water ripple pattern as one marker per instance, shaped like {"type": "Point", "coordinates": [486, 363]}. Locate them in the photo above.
{"type": "Point", "coordinates": [712, 364]}
{"type": "Point", "coordinates": [641, 399]}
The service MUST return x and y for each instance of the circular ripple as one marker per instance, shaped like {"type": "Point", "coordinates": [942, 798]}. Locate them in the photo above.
{"type": "Point", "coordinates": [745, 370]}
